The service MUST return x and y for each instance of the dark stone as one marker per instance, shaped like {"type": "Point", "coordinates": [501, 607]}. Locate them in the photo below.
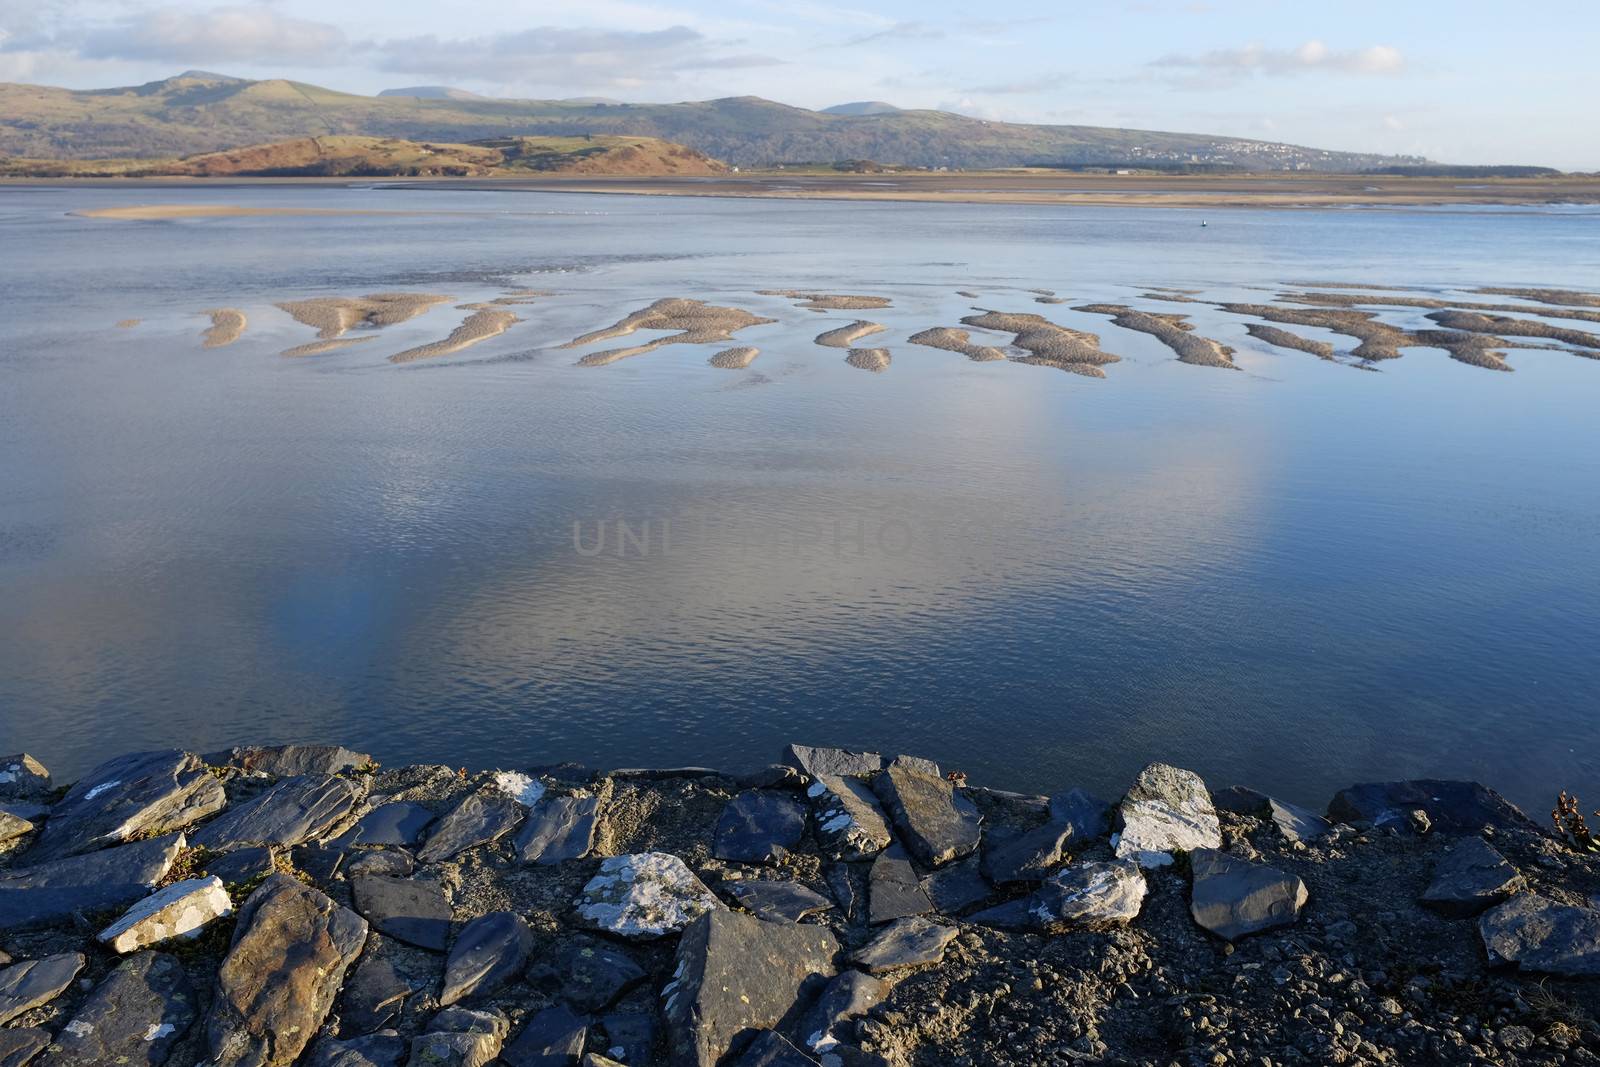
{"type": "Point", "coordinates": [136, 795]}
{"type": "Point", "coordinates": [23, 778]}
{"type": "Point", "coordinates": [134, 1017]}
{"type": "Point", "coordinates": [292, 812]}
{"type": "Point", "coordinates": [894, 889]}
{"type": "Point", "coordinates": [848, 996]}
{"type": "Point", "coordinates": [559, 828]}
{"type": "Point", "coordinates": [1537, 934]}
{"type": "Point", "coordinates": [911, 942]}
{"type": "Point", "coordinates": [1453, 807]}
{"type": "Point", "coordinates": [553, 1037]}
{"type": "Point", "coordinates": [774, 776]}
{"type": "Point", "coordinates": [1011, 915]}
{"type": "Point", "coordinates": [957, 886]}
{"type": "Point", "coordinates": [1471, 877]}
{"type": "Point", "coordinates": [734, 974]}
{"type": "Point", "coordinates": [383, 1049]}
{"type": "Point", "coordinates": [487, 953]}
{"type": "Point", "coordinates": [587, 973]}
{"type": "Point", "coordinates": [372, 998]}
{"type": "Point", "coordinates": [1087, 814]}
{"type": "Point", "coordinates": [460, 1037]}
{"type": "Point", "coordinates": [759, 826]}
{"type": "Point", "coordinates": [771, 1049]}
{"type": "Point", "coordinates": [413, 910]}
{"type": "Point", "coordinates": [1089, 894]}
{"type": "Point", "coordinates": [480, 819]}
{"type": "Point", "coordinates": [850, 824]}
{"type": "Point", "coordinates": [290, 951]}
{"type": "Point", "coordinates": [1232, 897]}
{"type": "Point", "coordinates": [1241, 801]}
{"type": "Point", "coordinates": [97, 881]}
{"type": "Point", "coordinates": [26, 985]}
{"type": "Point", "coordinates": [287, 761]}
{"type": "Point", "coordinates": [936, 822]}
{"type": "Point", "coordinates": [20, 1044]}
{"type": "Point", "coordinates": [833, 762]}
{"type": "Point", "coordinates": [630, 1036]}
{"type": "Point", "coordinates": [1027, 857]}
{"type": "Point", "coordinates": [778, 901]}
{"type": "Point", "coordinates": [242, 865]}
{"type": "Point", "coordinates": [843, 883]}
{"type": "Point", "coordinates": [323, 863]}
{"type": "Point", "coordinates": [13, 826]}
{"type": "Point", "coordinates": [399, 823]}
{"type": "Point", "coordinates": [1294, 822]}
{"type": "Point", "coordinates": [391, 862]}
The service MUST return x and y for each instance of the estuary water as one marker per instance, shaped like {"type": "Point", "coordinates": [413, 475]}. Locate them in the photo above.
{"type": "Point", "coordinates": [1293, 575]}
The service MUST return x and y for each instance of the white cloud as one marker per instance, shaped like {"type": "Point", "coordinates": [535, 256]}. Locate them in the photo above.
{"type": "Point", "coordinates": [218, 36]}
{"type": "Point", "coordinates": [1310, 57]}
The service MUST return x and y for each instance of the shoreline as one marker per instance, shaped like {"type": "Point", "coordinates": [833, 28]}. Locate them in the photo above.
{"type": "Point", "coordinates": [301, 904]}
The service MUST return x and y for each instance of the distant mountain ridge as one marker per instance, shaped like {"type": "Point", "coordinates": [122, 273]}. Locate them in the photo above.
{"type": "Point", "coordinates": [202, 112]}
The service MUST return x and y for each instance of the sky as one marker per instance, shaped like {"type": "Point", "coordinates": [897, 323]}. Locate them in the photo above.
{"type": "Point", "coordinates": [1464, 81]}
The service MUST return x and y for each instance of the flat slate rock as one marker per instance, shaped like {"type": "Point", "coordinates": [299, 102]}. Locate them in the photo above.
{"type": "Point", "coordinates": [956, 887]}
{"type": "Point", "coordinates": [243, 864]}
{"type": "Point", "coordinates": [894, 888]}
{"type": "Point", "coordinates": [413, 910]}
{"type": "Point", "coordinates": [911, 942]}
{"type": "Point", "coordinates": [460, 1037]}
{"type": "Point", "coordinates": [778, 900]}
{"type": "Point", "coordinates": [1232, 897]}
{"type": "Point", "coordinates": [1537, 934]}
{"type": "Point", "coordinates": [382, 1049]}
{"type": "Point", "coordinates": [850, 824]}
{"type": "Point", "coordinates": [24, 778]}
{"type": "Point", "coordinates": [1027, 857]}
{"type": "Point", "coordinates": [373, 997]}
{"type": "Point", "coordinates": [134, 1017]}
{"type": "Point", "coordinates": [559, 828]}
{"type": "Point", "coordinates": [20, 1044]}
{"type": "Point", "coordinates": [182, 909]}
{"type": "Point", "coordinates": [481, 818]}
{"type": "Point", "coordinates": [288, 761]}
{"type": "Point", "coordinates": [1451, 806]}
{"type": "Point", "coordinates": [587, 973]}
{"type": "Point", "coordinates": [849, 995]}
{"type": "Point", "coordinates": [1294, 822]}
{"type": "Point", "coordinates": [398, 823]}
{"type": "Point", "coordinates": [644, 895]}
{"type": "Point", "coordinates": [13, 826]}
{"type": "Point", "coordinates": [937, 823]}
{"type": "Point", "coordinates": [735, 974]}
{"type": "Point", "coordinates": [137, 795]}
{"type": "Point", "coordinates": [630, 1036]}
{"type": "Point", "coordinates": [833, 762]}
{"type": "Point", "coordinates": [393, 863]}
{"type": "Point", "coordinates": [1167, 810]}
{"type": "Point", "coordinates": [110, 878]}
{"type": "Point", "coordinates": [1087, 814]}
{"type": "Point", "coordinates": [26, 985]}
{"type": "Point", "coordinates": [292, 812]}
{"type": "Point", "coordinates": [849, 891]}
{"type": "Point", "coordinates": [290, 951]}
{"type": "Point", "coordinates": [553, 1037]}
{"type": "Point", "coordinates": [1471, 878]}
{"type": "Point", "coordinates": [1089, 894]}
{"type": "Point", "coordinates": [488, 952]}
{"type": "Point", "coordinates": [759, 826]}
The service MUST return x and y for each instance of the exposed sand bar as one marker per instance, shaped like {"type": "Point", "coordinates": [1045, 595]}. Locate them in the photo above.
{"type": "Point", "coordinates": [1500, 324]}
{"type": "Point", "coordinates": [1378, 340]}
{"type": "Point", "coordinates": [1475, 349]}
{"type": "Point", "coordinates": [317, 348]}
{"type": "Point", "coordinates": [846, 336]}
{"type": "Point", "coordinates": [828, 301]}
{"type": "Point", "coordinates": [734, 358]}
{"type": "Point", "coordinates": [1170, 330]}
{"type": "Point", "coordinates": [1284, 339]}
{"type": "Point", "coordinates": [1048, 344]}
{"type": "Point", "coordinates": [128, 324]}
{"type": "Point", "coordinates": [227, 324]}
{"type": "Point", "coordinates": [479, 326]}
{"type": "Point", "coordinates": [952, 340]}
{"type": "Point", "coordinates": [155, 212]}
{"type": "Point", "coordinates": [331, 316]}
{"type": "Point", "coordinates": [1371, 300]}
{"type": "Point", "coordinates": [1568, 297]}
{"type": "Point", "coordinates": [695, 321]}
{"type": "Point", "coordinates": [872, 359]}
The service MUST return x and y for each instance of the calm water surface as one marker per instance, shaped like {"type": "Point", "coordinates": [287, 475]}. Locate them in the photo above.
{"type": "Point", "coordinates": [1292, 577]}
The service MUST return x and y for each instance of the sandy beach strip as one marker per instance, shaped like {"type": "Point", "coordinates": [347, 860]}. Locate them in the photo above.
{"type": "Point", "coordinates": [479, 326]}
{"type": "Point", "coordinates": [1048, 344]}
{"type": "Point", "coordinates": [1172, 331]}
{"type": "Point", "coordinates": [227, 324]}
{"type": "Point", "coordinates": [317, 348]}
{"type": "Point", "coordinates": [734, 358]}
{"type": "Point", "coordinates": [847, 336]}
{"type": "Point", "coordinates": [953, 340]}
{"type": "Point", "coordinates": [157, 212]}
{"type": "Point", "coordinates": [1272, 335]}
{"type": "Point", "coordinates": [870, 359]}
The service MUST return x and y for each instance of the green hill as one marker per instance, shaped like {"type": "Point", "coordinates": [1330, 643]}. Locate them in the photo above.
{"type": "Point", "coordinates": [199, 112]}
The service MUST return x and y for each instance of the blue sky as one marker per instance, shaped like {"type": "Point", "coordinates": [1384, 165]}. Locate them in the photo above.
{"type": "Point", "coordinates": [1466, 81]}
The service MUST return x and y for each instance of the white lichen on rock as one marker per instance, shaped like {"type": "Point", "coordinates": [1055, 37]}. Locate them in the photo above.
{"type": "Point", "coordinates": [647, 894]}
{"type": "Point", "coordinates": [1168, 810]}
{"type": "Point", "coordinates": [180, 910]}
{"type": "Point", "coordinates": [520, 787]}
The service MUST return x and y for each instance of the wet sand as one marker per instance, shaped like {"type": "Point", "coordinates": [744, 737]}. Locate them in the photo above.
{"type": "Point", "coordinates": [1284, 339]}
{"type": "Point", "coordinates": [1473, 322]}
{"type": "Point", "coordinates": [479, 326]}
{"type": "Point", "coordinates": [952, 340]}
{"type": "Point", "coordinates": [827, 301]}
{"type": "Point", "coordinates": [1477, 350]}
{"type": "Point", "coordinates": [871, 359]}
{"type": "Point", "coordinates": [1378, 340]}
{"type": "Point", "coordinates": [331, 316]}
{"type": "Point", "coordinates": [734, 358]}
{"type": "Point", "coordinates": [1172, 331]}
{"type": "Point", "coordinates": [1048, 344]}
{"type": "Point", "coordinates": [1372, 300]}
{"type": "Point", "coordinates": [1567, 297]}
{"type": "Point", "coordinates": [846, 336]}
{"type": "Point", "coordinates": [227, 324]}
{"type": "Point", "coordinates": [128, 324]}
{"type": "Point", "coordinates": [695, 321]}
{"type": "Point", "coordinates": [317, 348]}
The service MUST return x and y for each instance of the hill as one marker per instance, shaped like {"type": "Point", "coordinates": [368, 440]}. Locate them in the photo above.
{"type": "Point", "coordinates": [198, 112]}
{"type": "Point", "coordinates": [862, 107]}
{"type": "Point", "coordinates": [342, 156]}
{"type": "Point", "coordinates": [432, 92]}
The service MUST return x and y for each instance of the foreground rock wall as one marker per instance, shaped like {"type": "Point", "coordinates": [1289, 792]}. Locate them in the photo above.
{"type": "Point", "coordinates": [297, 904]}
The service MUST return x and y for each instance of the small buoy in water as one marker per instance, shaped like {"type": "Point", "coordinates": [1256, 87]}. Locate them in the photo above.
{"type": "Point", "coordinates": [1204, 223]}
